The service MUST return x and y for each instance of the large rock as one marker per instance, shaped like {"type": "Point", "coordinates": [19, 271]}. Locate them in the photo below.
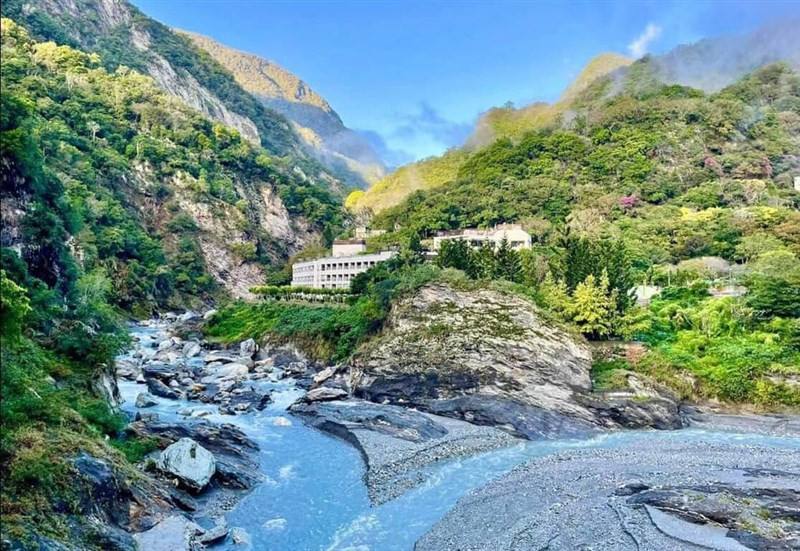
{"type": "Point", "coordinates": [231, 371]}
{"type": "Point", "coordinates": [248, 348]}
{"type": "Point", "coordinates": [160, 389]}
{"type": "Point", "coordinates": [145, 400]}
{"type": "Point", "coordinates": [126, 368]}
{"type": "Point", "coordinates": [491, 358]}
{"type": "Point", "coordinates": [325, 393]}
{"type": "Point", "coordinates": [191, 349]}
{"type": "Point", "coordinates": [220, 439]}
{"type": "Point", "coordinates": [174, 533]}
{"type": "Point", "coordinates": [158, 370]}
{"type": "Point", "coordinates": [190, 462]}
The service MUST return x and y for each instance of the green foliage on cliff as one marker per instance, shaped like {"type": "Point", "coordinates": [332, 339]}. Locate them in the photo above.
{"type": "Point", "coordinates": [92, 29]}
{"type": "Point", "coordinates": [710, 347]}
{"type": "Point", "coordinates": [84, 148]}
{"type": "Point", "coordinates": [98, 168]}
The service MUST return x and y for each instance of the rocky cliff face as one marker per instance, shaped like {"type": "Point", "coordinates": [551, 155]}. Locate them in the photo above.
{"type": "Point", "coordinates": [340, 148]}
{"type": "Point", "coordinates": [491, 358]}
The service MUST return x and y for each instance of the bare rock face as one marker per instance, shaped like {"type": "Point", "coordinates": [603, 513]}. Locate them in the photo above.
{"type": "Point", "coordinates": [190, 462]}
{"type": "Point", "coordinates": [489, 358]}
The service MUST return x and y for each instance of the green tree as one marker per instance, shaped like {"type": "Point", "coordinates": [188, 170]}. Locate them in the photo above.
{"type": "Point", "coordinates": [14, 307]}
{"type": "Point", "coordinates": [456, 253]}
{"type": "Point", "coordinates": [593, 306]}
{"type": "Point", "coordinates": [507, 264]}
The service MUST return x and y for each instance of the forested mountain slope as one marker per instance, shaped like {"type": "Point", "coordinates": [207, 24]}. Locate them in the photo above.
{"type": "Point", "coordinates": [709, 65]}
{"type": "Point", "coordinates": [125, 159]}
{"type": "Point", "coordinates": [117, 200]}
{"type": "Point", "coordinates": [123, 35]}
{"type": "Point", "coordinates": [652, 157]}
{"type": "Point", "coordinates": [500, 122]}
{"type": "Point", "coordinates": [343, 150]}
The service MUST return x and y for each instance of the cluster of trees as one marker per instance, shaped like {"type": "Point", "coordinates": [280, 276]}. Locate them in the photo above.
{"type": "Point", "coordinates": [485, 262]}
{"type": "Point", "coordinates": [585, 281]}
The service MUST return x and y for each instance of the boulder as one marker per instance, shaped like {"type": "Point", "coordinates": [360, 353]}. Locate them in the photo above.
{"type": "Point", "coordinates": [188, 315]}
{"type": "Point", "coordinates": [165, 344]}
{"type": "Point", "coordinates": [324, 375]}
{"type": "Point", "coordinates": [190, 462]}
{"type": "Point", "coordinates": [160, 389]}
{"type": "Point", "coordinates": [248, 348]}
{"type": "Point", "coordinates": [228, 371]}
{"type": "Point", "coordinates": [145, 400]}
{"type": "Point", "coordinates": [158, 370]}
{"type": "Point", "coordinates": [174, 533]}
{"type": "Point", "coordinates": [324, 394]}
{"type": "Point", "coordinates": [214, 535]}
{"type": "Point", "coordinates": [126, 369]}
{"type": "Point", "coordinates": [191, 349]}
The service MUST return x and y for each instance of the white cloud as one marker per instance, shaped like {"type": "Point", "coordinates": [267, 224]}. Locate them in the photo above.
{"type": "Point", "coordinates": [638, 47]}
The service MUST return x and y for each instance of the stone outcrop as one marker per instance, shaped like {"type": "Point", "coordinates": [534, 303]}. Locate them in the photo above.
{"type": "Point", "coordinates": [191, 463]}
{"type": "Point", "coordinates": [492, 358]}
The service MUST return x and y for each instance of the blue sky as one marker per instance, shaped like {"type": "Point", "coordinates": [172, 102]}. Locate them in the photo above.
{"type": "Point", "coordinates": [417, 74]}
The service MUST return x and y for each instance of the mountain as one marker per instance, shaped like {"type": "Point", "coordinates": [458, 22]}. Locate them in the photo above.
{"type": "Point", "coordinates": [508, 122]}
{"type": "Point", "coordinates": [123, 35]}
{"type": "Point", "coordinates": [500, 122]}
{"type": "Point", "coordinates": [713, 63]}
{"type": "Point", "coordinates": [173, 206]}
{"type": "Point", "coordinates": [343, 150]}
{"type": "Point", "coordinates": [708, 65]}
{"type": "Point", "coordinates": [661, 146]}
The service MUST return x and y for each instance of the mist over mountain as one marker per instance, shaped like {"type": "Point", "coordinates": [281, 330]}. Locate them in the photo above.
{"type": "Point", "coordinates": [714, 63]}
{"type": "Point", "coordinates": [708, 65]}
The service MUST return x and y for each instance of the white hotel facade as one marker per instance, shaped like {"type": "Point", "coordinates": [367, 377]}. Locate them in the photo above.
{"type": "Point", "coordinates": [338, 270]}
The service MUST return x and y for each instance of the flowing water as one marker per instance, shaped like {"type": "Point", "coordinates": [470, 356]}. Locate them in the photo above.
{"type": "Point", "coordinates": [314, 497]}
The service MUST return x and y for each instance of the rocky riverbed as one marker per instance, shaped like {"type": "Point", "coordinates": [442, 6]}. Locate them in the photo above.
{"type": "Point", "coordinates": [268, 478]}
{"type": "Point", "coordinates": [678, 495]}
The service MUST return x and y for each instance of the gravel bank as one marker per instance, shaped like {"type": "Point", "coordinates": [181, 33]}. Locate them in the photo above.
{"type": "Point", "coordinates": [631, 498]}
{"type": "Point", "coordinates": [396, 443]}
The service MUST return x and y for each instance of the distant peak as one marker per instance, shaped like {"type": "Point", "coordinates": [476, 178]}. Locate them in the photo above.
{"type": "Point", "coordinates": [259, 75]}
{"type": "Point", "coordinates": [597, 67]}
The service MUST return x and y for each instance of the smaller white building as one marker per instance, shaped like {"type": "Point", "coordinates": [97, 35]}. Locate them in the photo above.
{"type": "Point", "coordinates": [515, 236]}
{"type": "Point", "coordinates": [348, 247]}
{"type": "Point", "coordinates": [335, 272]}
{"type": "Point", "coordinates": [363, 233]}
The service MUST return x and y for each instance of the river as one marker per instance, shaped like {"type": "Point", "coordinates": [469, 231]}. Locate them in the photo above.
{"type": "Point", "coordinates": [314, 497]}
